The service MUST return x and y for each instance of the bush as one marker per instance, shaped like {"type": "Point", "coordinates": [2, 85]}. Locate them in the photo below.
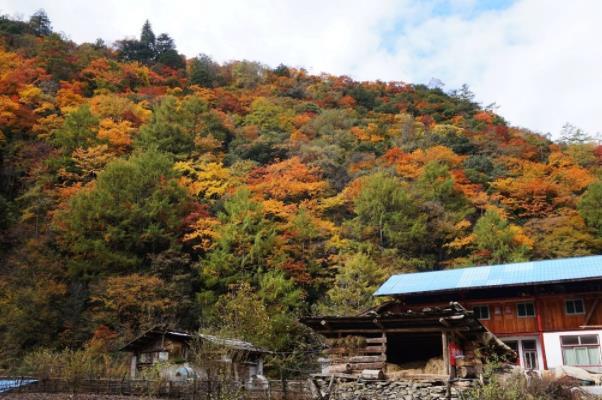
{"type": "Point", "coordinates": [72, 365]}
{"type": "Point", "coordinates": [520, 386]}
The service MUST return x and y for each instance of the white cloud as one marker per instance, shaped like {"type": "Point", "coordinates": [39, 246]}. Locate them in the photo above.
{"type": "Point", "coordinates": [538, 59]}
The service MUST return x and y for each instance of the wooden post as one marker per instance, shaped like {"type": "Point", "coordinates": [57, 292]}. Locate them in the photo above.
{"type": "Point", "coordinates": [133, 364]}
{"type": "Point", "coordinates": [445, 348]}
{"type": "Point", "coordinates": [538, 313]}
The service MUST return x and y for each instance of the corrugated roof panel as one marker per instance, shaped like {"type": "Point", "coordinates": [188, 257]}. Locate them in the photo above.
{"type": "Point", "coordinates": [494, 275]}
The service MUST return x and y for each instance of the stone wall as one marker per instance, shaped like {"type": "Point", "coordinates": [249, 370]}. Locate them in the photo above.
{"type": "Point", "coordinates": [389, 390]}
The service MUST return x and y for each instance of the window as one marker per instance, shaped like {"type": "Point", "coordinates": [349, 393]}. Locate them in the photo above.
{"type": "Point", "coordinates": [574, 306]}
{"type": "Point", "coordinates": [580, 350]}
{"type": "Point", "coordinates": [530, 354]}
{"type": "Point", "coordinates": [481, 312]}
{"type": "Point", "coordinates": [525, 310]}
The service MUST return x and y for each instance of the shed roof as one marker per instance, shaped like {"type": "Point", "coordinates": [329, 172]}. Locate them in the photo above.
{"type": "Point", "coordinates": [516, 274]}
{"type": "Point", "coordinates": [428, 320]}
{"type": "Point", "coordinates": [434, 319]}
{"type": "Point", "coordinates": [150, 336]}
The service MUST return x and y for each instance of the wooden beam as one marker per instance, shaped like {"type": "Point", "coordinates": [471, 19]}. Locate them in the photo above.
{"type": "Point", "coordinates": [382, 339]}
{"type": "Point", "coordinates": [445, 349]}
{"type": "Point", "coordinates": [358, 359]}
{"type": "Point", "coordinates": [397, 330]}
{"type": "Point", "coordinates": [362, 350]}
{"type": "Point", "coordinates": [361, 366]}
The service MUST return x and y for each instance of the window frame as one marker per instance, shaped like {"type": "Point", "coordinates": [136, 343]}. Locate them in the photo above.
{"type": "Point", "coordinates": [526, 315]}
{"type": "Point", "coordinates": [566, 306]}
{"type": "Point", "coordinates": [580, 345]}
{"type": "Point", "coordinates": [530, 354]}
{"type": "Point", "coordinates": [482, 306]}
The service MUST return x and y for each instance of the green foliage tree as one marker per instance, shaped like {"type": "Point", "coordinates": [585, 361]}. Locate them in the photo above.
{"type": "Point", "coordinates": [78, 130]}
{"type": "Point", "coordinates": [590, 207]}
{"type": "Point", "coordinates": [386, 212]}
{"type": "Point", "coordinates": [241, 313]}
{"type": "Point", "coordinates": [282, 70]}
{"type": "Point", "coordinates": [166, 53]}
{"type": "Point", "coordinates": [147, 43]}
{"type": "Point", "coordinates": [40, 23]}
{"type": "Point", "coordinates": [245, 241]}
{"type": "Point", "coordinates": [355, 283]}
{"type": "Point", "coordinates": [247, 74]}
{"type": "Point", "coordinates": [203, 71]}
{"type": "Point", "coordinates": [497, 241]}
{"type": "Point", "coordinates": [134, 210]}
{"type": "Point", "coordinates": [174, 126]}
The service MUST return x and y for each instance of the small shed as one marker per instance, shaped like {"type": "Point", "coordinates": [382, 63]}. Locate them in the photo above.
{"type": "Point", "coordinates": [446, 341]}
{"type": "Point", "coordinates": [212, 355]}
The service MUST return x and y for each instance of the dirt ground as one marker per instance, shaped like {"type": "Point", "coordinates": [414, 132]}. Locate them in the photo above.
{"type": "Point", "coordinates": [67, 396]}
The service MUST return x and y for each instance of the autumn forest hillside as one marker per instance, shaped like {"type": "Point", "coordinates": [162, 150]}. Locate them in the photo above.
{"type": "Point", "coordinates": [138, 187]}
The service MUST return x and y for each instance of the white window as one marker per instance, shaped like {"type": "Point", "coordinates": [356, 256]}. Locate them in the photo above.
{"type": "Point", "coordinates": [583, 350]}
{"type": "Point", "coordinates": [527, 350]}
{"type": "Point", "coordinates": [524, 310]}
{"type": "Point", "coordinates": [574, 306]}
{"type": "Point", "coordinates": [481, 312]}
{"type": "Point", "coordinates": [529, 354]}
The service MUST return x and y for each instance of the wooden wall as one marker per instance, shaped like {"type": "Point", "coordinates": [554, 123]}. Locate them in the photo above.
{"type": "Point", "coordinates": [357, 354]}
{"type": "Point", "coordinates": [504, 320]}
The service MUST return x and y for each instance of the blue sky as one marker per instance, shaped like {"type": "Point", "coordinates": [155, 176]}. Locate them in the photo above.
{"type": "Point", "coordinates": [539, 60]}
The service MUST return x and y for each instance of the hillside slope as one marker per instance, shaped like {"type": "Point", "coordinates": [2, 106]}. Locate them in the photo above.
{"type": "Point", "coordinates": [138, 187]}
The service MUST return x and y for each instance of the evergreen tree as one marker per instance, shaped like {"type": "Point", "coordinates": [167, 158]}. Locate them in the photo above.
{"type": "Point", "coordinates": [386, 212]}
{"type": "Point", "coordinates": [590, 207]}
{"type": "Point", "coordinates": [132, 212]}
{"type": "Point", "coordinates": [354, 286]}
{"type": "Point", "coordinates": [78, 130]}
{"type": "Point", "coordinates": [497, 241]}
{"type": "Point", "coordinates": [203, 71]}
{"type": "Point", "coordinates": [40, 23]}
{"type": "Point", "coordinates": [148, 43]}
{"type": "Point", "coordinates": [166, 52]}
{"type": "Point", "coordinates": [174, 126]}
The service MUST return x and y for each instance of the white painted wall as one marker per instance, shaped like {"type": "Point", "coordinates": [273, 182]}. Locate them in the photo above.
{"type": "Point", "coordinates": [551, 341]}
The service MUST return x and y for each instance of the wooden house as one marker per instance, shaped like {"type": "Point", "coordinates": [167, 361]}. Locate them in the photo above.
{"type": "Point", "coordinates": [397, 343]}
{"type": "Point", "coordinates": [213, 355]}
{"type": "Point", "coordinates": [547, 311]}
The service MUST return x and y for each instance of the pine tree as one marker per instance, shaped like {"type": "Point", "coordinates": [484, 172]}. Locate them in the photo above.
{"type": "Point", "coordinates": [147, 43]}
{"type": "Point", "coordinates": [40, 23]}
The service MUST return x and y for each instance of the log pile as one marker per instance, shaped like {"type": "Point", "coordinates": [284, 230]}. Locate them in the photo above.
{"type": "Point", "coordinates": [470, 365]}
{"type": "Point", "coordinates": [354, 355]}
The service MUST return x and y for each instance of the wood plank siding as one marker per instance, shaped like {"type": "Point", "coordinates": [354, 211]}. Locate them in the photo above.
{"type": "Point", "coordinates": [504, 319]}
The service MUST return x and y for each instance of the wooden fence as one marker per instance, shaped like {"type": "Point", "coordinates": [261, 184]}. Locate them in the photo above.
{"type": "Point", "coordinates": [185, 390]}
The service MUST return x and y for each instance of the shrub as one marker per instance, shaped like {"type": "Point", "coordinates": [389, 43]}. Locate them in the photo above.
{"type": "Point", "coordinates": [72, 365]}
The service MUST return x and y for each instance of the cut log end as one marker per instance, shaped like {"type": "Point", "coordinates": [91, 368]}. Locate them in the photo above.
{"type": "Point", "coordinates": [372, 374]}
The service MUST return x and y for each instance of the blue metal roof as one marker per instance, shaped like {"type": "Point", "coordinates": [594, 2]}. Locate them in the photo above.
{"type": "Point", "coordinates": [494, 275]}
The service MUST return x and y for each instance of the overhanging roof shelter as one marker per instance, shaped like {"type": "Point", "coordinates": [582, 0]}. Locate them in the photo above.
{"type": "Point", "coordinates": [380, 337]}
{"type": "Point", "coordinates": [506, 275]}
{"type": "Point", "coordinates": [153, 335]}
{"type": "Point", "coordinates": [429, 320]}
